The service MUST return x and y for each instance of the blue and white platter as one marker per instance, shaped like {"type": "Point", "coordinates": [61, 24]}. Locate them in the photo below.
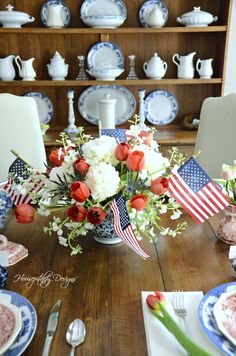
{"type": "Point", "coordinates": [160, 107]}
{"type": "Point", "coordinates": [65, 14]}
{"type": "Point", "coordinates": [44, 106]}
{"type": "Point", "coordinates": [88, 103]}
{"type": "Point", "coordinates": [103, 8]}
{"type": "Point", "coordinates": [105, 55]}
{"type": "Point", "coordinates": [208, 321]}
{"type": "Point", "coordinates": [147, 7]}
{"type": "Point", "coordinates": [29, 322]}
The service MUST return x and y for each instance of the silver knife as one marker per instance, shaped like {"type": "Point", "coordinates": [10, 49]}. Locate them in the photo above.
{"type": "Point", "coordinates": [52, 326]}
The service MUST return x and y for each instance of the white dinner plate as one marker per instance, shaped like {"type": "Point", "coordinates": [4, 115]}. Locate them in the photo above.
{"type": "Point", "coordinates": [88, 103]}
{"type": "Point", "coordinates": [15, 318]}
{"type": "Point", "coordinates": [44, 106]}
{"type": "Point", "coordinates": [65, 13]}
{"type": "Point", "coordinates": [160, 107]}
{"type": "Point", "coordinates": [105, 55]}
{"type": "Point", "coordinates": [28, 322]}
{"type": "Point", "coordinates": [103, 8]}
{"type": "Point", "coordinates": [147, 7]}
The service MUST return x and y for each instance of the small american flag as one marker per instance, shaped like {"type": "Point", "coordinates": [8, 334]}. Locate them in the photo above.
{"type": "Point", "coordinates": [19, 168]}
{"type": "Point", "coordinates": [121, 135]}
{"type": "Point", "coordinates": [123, 227]}
{"type": "Point", "coordinates": [196, 192]}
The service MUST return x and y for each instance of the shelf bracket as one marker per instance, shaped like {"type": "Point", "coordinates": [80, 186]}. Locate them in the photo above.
{"type": "Point", "coordinates": [104, 37]}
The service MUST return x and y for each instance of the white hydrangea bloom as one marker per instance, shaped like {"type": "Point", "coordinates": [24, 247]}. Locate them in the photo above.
{"type": "Point", "coordinates": [103, 181]}
{"type": "Point", "coordinates": [99, 150]}
{"type": "Point", "coordinates": [176, 214]}
{"type": "Point", "coordinates": [155, 164]}
{"type": "Point", "coordinates": [62, 241]}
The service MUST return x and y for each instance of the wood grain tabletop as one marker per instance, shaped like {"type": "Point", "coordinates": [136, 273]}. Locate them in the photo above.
{"type": "Point", "coordinates": [103, 285]}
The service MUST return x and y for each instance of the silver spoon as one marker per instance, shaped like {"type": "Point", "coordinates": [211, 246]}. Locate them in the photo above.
{"type": "Point", "coordinates": [75, 334]}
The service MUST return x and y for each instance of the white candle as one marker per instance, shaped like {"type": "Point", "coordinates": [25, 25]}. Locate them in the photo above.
{"type": "Point", "coordinates": [107, 110]}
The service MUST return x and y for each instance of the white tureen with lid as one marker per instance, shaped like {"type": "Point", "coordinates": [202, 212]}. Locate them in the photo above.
{"type": "Point", "coordinates": [14, 19]}
{"type": "Point", "coordinates": [196, 18]}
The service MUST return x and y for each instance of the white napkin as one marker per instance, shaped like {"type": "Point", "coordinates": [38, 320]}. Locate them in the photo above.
{"type": "Point", "coordinates": [161, 342]}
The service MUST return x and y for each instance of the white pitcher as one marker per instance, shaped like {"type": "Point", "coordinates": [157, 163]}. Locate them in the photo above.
{"type": "Point", "coordinates": [53, 15]}
{"type": "Point", "coordinates": [184, 65]}
{"type": "Point", "coordinates": [155, 68]}
{"type": "Point", "coordinates": [204, 68]}
{"type": "Point", "coordinates": [157, 17]}
{"type": "Point", "coordinates": [7, 70]}
{"type": "Point", "coordinates": [26, 69]}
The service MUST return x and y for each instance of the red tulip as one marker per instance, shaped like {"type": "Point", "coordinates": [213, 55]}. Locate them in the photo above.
{"type": "Point", "coordinates": [122, 151]}
{"type": "Point", "coordinates": [96, 215]}
{"type": "Point", "coordinates": [147, 137]}
{"type": "Point", "coordinates": [159, 185]}
{"type": "Point", "coordinates": [135, 161]}
{"type": "Point", "coordinates": [154, 300]}
{"type": "Point", "coordinates": [57, 159]}
{"type": "Point", "coordinates": [81, 166]}
{"type": "Point", "coordinates": [77, 213]}
{"type": "Point", "coordinates": [24, 213]}
{"type": "Point", "coordinates": [79, 191]}
{"type": "Point", "coordinates": [138, 202]}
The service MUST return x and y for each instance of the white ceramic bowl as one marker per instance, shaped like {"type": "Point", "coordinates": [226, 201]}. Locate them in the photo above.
{"type": "Point", "coordinates": [105, 74]}
{"type": "Point", "coordinates": [103, 21]}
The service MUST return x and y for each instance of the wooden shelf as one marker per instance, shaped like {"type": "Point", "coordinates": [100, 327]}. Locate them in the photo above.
{"type": "Point", "coordinates": [121, 30]}
{"type": "Point", "coordinates": [165, 136]}
{"type": "Point", "coordinates": [85, 83]}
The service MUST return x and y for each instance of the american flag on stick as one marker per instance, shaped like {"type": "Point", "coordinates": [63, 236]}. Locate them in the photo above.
{"type": "Point", "coordinates": [123, 227]}
{"type": "Point", "coordinates": [122, 135]}
{"type": "Point", "coordinates": [194, 190]}
{"type": "Point", "coordinates": [19, 169]}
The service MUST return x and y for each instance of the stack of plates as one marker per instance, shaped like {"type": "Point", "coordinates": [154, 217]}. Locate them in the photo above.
{"type": "Point", "coordinates": [18, 322]}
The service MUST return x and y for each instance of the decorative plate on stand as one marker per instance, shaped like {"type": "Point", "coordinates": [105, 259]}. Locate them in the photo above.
{"type": "Point", "coordinates": [147, 7]}
{"type": "Point", "coordinates": [44, 105]}
{"type": "Point", "coordinates": [105, 55]}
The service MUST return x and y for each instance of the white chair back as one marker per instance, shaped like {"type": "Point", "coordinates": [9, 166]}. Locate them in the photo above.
{"type": "Point", "coordinates": [20, 131]}
{"type": "Point", "coordinates": [216, 137]}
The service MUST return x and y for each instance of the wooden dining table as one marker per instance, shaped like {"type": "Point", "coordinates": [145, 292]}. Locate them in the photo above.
{"type": "Point", "coordinates": [103, 285]}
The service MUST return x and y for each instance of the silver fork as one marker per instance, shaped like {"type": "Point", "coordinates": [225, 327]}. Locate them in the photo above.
{"type": "Point", "coordinates": [178, 303]}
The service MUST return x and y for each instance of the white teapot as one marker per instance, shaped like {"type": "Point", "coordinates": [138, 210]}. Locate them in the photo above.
{"type": "Point", "coordinates": [57, 69]}
{"type": "Point", "coordinates": [155, 68]}
{"type": "Point", "coordinates": [7, 70]}
{"type": "Point", "coordinates": [26, 69]}
{"type": "Point", "coordinates": [156, 18]}
{"type": "Point", "coordinates": [53, 15]}
{"type": "Point", "coordinates": [185, 65]}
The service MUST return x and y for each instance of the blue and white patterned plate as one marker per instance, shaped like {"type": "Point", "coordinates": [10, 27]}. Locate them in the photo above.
{"type": "Point", "coordinates": [29, 322]}
{"type": "Point", "coordinates": [88, 103]}
{"type": "Point", "coordinates": [65, 14]}
{"type": "Point", "coordinates": [103, 8]}
{"type": "Point", "coordinates": [147, 7]}
{"type": "Point", "coordinates": [44, 105]}
{"type": "Point", "coordinates": [160, 107]}
{"type": "Point", "coordinates": [208, 322]}
{"type": "Point", "coordinates": [105, 55]}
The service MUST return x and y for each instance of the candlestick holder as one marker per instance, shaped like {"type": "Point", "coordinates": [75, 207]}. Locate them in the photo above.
{"type": "Point", "coordinates": [132, 74]}
{"type": "Point", "coordinates": [82, 75]}
{"type": "Point", "coordinates": [141, 124]}
{"type": "Point", "coordinates": [71, 129]}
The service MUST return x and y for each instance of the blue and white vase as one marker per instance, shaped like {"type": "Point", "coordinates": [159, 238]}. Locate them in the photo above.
{"type": "Point", "coordinates": [105, 234]}
{"type": "Point", "coordinates": [5, 207]}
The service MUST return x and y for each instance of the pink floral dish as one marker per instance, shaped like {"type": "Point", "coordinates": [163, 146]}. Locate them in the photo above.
{"type": "Point", "coordinates": [225, 314]}
{"type": "Point", "coordinates": [16, 252]}
{"type": "Point", "coordinates": [10, 324]}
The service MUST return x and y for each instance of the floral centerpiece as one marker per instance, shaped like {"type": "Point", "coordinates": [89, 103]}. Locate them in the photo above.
{"type": "Point", "coordinates": [227, 228]}
{"type": "Point", "coordinates": [86, 176]}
